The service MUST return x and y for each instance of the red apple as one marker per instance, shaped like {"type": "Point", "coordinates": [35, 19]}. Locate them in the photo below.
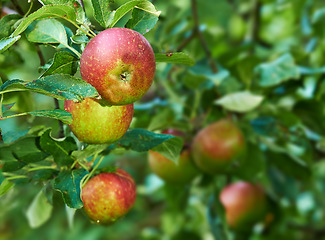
{"type": "Point", "coordinates": [181, 172]}
{"type": "Point", "coordinates": [120, 64]}
{"type": "Point", "coordinates": [97, 122]}
{"type": "Point", "coordinates": [108, 196]}
{"type": "Point", "coordinates": [216, 146]}
{"type": "Point", "coordinates": [245, 204]}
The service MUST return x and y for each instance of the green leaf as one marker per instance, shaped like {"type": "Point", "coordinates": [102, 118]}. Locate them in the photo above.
{"type": "Point", "coordinates": [59, 114]}
{"type": "Point", "coordinates": [125, 8]}
{"type": "Point", "coordinates": [60, 149]}
{"type": "Point", "coordinates": [142, 21]}
{"type": "Point", "coordinates": [102, 13]}
{"type": "Point", "coordinates": [171, 148]}
{"type": "Point", "coordinates": [5, 43]}
{"type": "Point", "coordinates": [142, 140]}
{"type": "Point", "coordinates": [60, 86]}
{"type": "Point", "coordinates": [11, 166]}
{"type": "Point", "coordinates": [47, 31]}
{"type": "Point", "coordinates": [5, 186]}
{"type": "Point", "coordinates": [80, 14]}
{"type": "Point", "coordinates": [89, 151]}
{"type": "Point", "coordinates": [240, 101]}
{"type": "Point", "coordinates": [280, 70]}
{"type": "Point", "coordinates": [63, 62]}
{"type": "Point", "coordinates": [175, 58]}
{"type": "Point", "coordinates": [69, 184]}
{"type": "Point", "coordinates": [59, 11]}
{"type": "Point", "coordinates": [25, 149]}
{"type": "Point", "coordinates": [7, 24]}
{"type": "Point", "coordinates": [39, 211]}
{"type": "Point", "coordinates": [162, 119]}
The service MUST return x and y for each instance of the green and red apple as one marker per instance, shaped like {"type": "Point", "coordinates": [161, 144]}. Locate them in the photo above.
{"type": "Point", "coordinates": [215, 147]}
{"type": "Point", "coordinates": [97, 122]}
{"type": "Point", "coordinates": [108, 196]}
{"type": "Point", "coordinates": [245, 204]}
{"type": "Point", "coordinates": [120, 64]}
{"type": "Point", "coordinates": [181, 172]}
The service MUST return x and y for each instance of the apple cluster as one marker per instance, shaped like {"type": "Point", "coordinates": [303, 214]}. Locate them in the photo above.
{"type": "Point", "coordinates": [120, 64]}
{"type": "Point", "coordinates": [213, 150]}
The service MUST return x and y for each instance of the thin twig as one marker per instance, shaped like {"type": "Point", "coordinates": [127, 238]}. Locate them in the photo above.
{"type": "Point", "coordinates": [206, 49]}
{"type": "Point", "coordinates": [187, 41]}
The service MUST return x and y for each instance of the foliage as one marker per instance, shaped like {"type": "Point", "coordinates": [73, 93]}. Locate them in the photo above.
{"type": "Point", "coordinates": [259, 63]}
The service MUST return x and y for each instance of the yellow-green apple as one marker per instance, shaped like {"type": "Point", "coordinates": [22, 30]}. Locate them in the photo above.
{"type": "Point", "coordinates": [181, 172]}
{"type": "Point", "coordinates": [97, 122]}
{"type": "Point", "coordinates": [108, 196]}
{"type": "Point", "coordinates": [120, 64]}
{"type": "Point", "coordinates": [216, 146]}
{"type": "Point", "coordinates": [245, 204]}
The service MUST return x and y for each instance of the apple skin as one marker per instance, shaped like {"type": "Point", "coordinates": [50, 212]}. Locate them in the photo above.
{"type": "Point", "coordinates": [216, 146]}
{"type": "Point", "coordinates": [96, 122]}
{"type": "Point", "coordinates": [245, 204]}
{"type": "Point", "coordinates": [108, 196]}
{"type": "Point", "coordinates": [120, 64]}
{"type": "Point", "coordinates": [182, 172]}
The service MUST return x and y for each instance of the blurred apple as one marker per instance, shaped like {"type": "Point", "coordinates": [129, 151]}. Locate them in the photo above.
{"type": "Point", "coordinates": [216, 146]}
{"type": "Point", "coordinates": [245, 204]}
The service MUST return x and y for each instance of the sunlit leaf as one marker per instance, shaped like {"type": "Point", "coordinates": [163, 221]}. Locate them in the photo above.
{"type": "Point", "coordinates": [39, 211]}
{"type": "Point", "coordinates": [240, 101]}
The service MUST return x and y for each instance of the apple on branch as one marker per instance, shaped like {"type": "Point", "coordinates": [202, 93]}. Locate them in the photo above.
{"type": "Point", "coordinates": [97, 122]}
{"type": "Point", "coordinates": [120, 64]}
{"type": "Point", "coordinates": [108, 196]}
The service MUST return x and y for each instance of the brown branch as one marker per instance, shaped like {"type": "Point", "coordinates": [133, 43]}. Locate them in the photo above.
{"type": "Point", "coordinates": [187, 41]}
{"type": "Point", "coordinates": [206, 49]}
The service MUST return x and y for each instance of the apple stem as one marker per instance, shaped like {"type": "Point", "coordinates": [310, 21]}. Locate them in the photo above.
{"type": "Point", "coordinates": [92, 171]}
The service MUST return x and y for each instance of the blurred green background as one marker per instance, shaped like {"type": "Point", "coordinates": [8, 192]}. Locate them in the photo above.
{"type": "Point", "coordinates": [238, 37]}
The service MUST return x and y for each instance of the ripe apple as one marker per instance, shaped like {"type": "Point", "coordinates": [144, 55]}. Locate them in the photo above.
{"type": "Point", "coordinates": [97, 122]}
{"type": "Point", "coordinates": [182, 172]}
{"type": "Point", "coordinates": [245, 204]}
{"type": "Point", "coordinates": [120, 64]}
{"type": "Point", "coordinates": [108, 196]}
{"type": "Point", "coordinates": [216, 146]}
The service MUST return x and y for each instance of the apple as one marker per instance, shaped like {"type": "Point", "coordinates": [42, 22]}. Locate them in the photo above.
{"type": "Point", "coordinates": [245, 204]}
{"type": "Point", "coordinates": [181, 172]}
{"type": "Point", "coordinates": [120, 64]}
{"type": "Point", "coordinates": [217, 145]}
{"type": "Point", "coordinates": [108, 196]}
{"type": "Point", "coordinates": [97, 122]}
